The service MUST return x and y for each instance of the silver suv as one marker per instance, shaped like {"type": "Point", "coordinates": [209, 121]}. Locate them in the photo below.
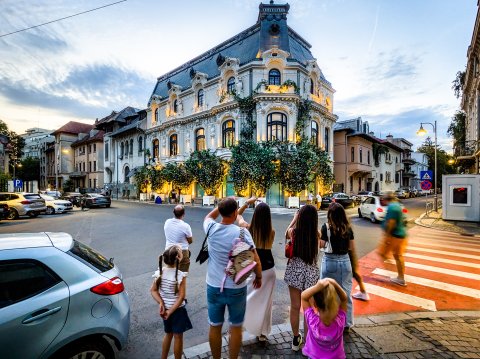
{"type": "Point", "coordinates": [59, 299]}
{"type": "Point", "coordinates": [23, 204]}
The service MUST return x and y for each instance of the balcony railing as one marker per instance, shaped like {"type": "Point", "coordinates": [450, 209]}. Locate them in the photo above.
{"type": "Point", "coordinates": [466, 149]}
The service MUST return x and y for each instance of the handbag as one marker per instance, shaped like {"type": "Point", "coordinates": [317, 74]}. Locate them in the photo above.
{"type": "Point", "coordinates": [289, 246]}
{"type": "Point", "coordinates": [203, 254]}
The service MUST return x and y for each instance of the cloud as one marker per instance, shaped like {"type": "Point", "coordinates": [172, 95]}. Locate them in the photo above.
{"type": "Point", "coordinates": [393, 65]}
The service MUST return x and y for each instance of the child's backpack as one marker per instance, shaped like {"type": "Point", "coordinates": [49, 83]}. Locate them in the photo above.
{"type": "Point", "coordinates": [241, 261]}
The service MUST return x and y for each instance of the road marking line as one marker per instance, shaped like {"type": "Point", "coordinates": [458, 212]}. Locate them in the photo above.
{"type": "Point", "coordinates": [436, 251]}
{"type": "Point", "coordinates": [433, 241]}
{"type": "Point", "coordinates": [453, 272]}
{"type": "Point", "coordinates": [432, 244]}
{"type": "Point", "coordinates": [446, 236]}
{"type": "Point", "coordinates": [469, 292]}
{"type": "Point", "coordinates": [443, 260]}
{"type": "Point", "coordinates": [400, 297]}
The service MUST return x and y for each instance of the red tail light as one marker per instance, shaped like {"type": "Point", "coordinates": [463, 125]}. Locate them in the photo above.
{"type": "Point", "coordinates": [379, 209]}
{"type": "Point", "coordinates": [110, 287]}
{"type": "Point", "coordinates": [26, 202]}
{"type": "Point", "coordinates": [404, 210]}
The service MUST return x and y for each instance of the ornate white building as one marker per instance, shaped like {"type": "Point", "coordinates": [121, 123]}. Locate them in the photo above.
{"type": "Point", "coordinates": [193, 106]}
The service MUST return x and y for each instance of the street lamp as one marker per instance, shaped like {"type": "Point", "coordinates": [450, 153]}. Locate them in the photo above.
{"type": "Point", "coordinates": [422, 132]}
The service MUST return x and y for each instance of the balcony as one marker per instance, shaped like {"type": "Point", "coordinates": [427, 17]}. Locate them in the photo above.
{"type": "Point", "coordinates": [409, 173]}
{"type": "Point", "coordinates": [466, 150]}
{"type": "Point", "coordinates": [408, 160]}
{"type": "Point", "coordinates": [359, 169]}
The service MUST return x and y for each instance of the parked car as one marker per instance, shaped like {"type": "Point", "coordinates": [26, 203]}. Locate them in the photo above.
{"type": "Point", "coordinates": [73, 197]}
{"type": "Point", "coordinates": [360, 196]}
{"type": "Point", "coordinates": [342, 198]}
{"type": "Point", "coordinates": [414, 192]}
{"type": "Point", "coordinates": [375, 209]}
{"type": "Point", "coordinates": [59, 299]}
{"type": "Point", "coordinates": [96, 200]}
{"type": "Point", "coordinates": [23, 204]}
{"type": "Point", "coordinates": [54, 194]}
{"type": "Point", "coordinates": [56, 205]}
{"type": "Point", "coordinates": [401, 193]}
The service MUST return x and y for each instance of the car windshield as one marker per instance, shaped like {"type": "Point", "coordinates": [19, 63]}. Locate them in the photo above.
{"type": "Point", "coordinates": [32, 196]}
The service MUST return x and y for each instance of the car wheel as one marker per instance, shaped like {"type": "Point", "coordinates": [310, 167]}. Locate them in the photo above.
{"type": "Point", "coordinates": [50, 210]}
{"type": "Point", "coordinates": [87, 349]}
{"type": "Point", "coordinates": [108, 206]}
{"type": "Point", "coordinates": [360, 213]}
{"type": "Point", "coordinates": [33, 214]}
{"type": "Point", "coordinates": [13, 214]}
{"type": "Point", "coordinates": [372, 218]}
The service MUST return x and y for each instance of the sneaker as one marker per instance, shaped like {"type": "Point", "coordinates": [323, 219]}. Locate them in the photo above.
{"type": "Point", "coordinates": [361, 296]}
{"type": "Point", "coordinates": [262, 338]}
{"type": "Point", "coordinates": [399, 281]}
{"type": "Point", "coordinates": [296, 342]}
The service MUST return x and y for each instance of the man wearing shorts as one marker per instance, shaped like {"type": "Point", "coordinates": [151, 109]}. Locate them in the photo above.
{"type": "Point", "coordinates": [178, 232]}
{"type": "Point", "coordinates": [221, 236]}
{"type": "Point", "coordinates": [395, 237]}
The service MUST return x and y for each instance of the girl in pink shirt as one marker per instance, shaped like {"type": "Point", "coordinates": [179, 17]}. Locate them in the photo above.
{"type": "Point", "coordinates": [325, 318]}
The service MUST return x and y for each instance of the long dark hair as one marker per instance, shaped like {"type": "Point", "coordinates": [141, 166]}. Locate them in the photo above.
{"type": "Point", "coordinates": [338, 221]}
{"type": "Point", "coordinates": [305, 245]}
{"type": "Point", "coordinates": [261, 226]}
{"type": "Point", "coordinates": [170, 257]}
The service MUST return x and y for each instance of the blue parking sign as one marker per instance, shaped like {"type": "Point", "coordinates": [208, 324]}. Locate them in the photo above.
{"type": "Point", "coordinates": [17, 183]}
{"type": "Point", "coordinates": [426, 175]}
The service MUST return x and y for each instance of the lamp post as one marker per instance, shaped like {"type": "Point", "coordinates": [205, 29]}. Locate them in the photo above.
{"type": "Point", "coordinates": [422, 132]}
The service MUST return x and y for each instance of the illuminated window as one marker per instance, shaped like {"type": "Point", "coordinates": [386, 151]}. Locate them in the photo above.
{"type": "Point", "coordinates": [200, 143]}
{"type": "Point", "coordinates": [155, 148]}
{"type": "Point", "coordinates": [231, 85]}
{"type": "Point", "coordinates": [200, 95]}
{"type": "Point", "coordinates": [312, 86]}
{"type": "Point", "coordinates": [156, 115]}
{"type": "Point", "coordinates": [314, 133]}
{"type": "Point", "coordinates": [276, 126]}
{"type": "Point", "coordinates": [175, 106]}
{"type": "Point", "coordinates": [228, 134]}
{"type": "Point", "coordinates": [274, 77]}
{"type": "Point", "coordinates": [173, 145]}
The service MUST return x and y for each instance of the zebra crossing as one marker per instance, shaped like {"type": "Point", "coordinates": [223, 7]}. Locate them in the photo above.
{"type": "Point", "coordinates": [442, 273]}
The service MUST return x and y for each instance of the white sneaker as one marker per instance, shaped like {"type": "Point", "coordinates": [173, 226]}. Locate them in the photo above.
{"type": "Point", "coordinates": [399, 281]}
{"type": "Point", "coordinates": [296, 348]}
{"type": "Point", "coordinates": [361, 296]}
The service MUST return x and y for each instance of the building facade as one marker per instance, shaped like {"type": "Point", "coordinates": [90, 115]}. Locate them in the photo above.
{"type": "Point", "coordinates": [35, 139]}
{"type": "Point", "coordinates": [406, 160]}
{"type": "Point", "coordinates": [421, 164]}
{"type": "Point", "coordinates": [194, 107]}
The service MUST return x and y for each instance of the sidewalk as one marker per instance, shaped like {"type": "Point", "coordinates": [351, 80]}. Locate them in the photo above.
{"type": "Point", "coordinates": [445, 334]}
{"type": "Point", "coordinates": [434, 220]}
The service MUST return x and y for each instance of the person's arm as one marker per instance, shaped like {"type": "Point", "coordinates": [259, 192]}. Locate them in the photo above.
{"type": "Point", "coordinates": [188, 234]}
{"type": "Point", "coordinates": [242, 222]}
{"type": "Point", "coordinates": [213, 214]}
{"type": "Point", "coordinates": [323, 237]}
{"type": "Point", "coordinates": [341, 293]}
{"type": "Point", "coordinates": [257, 282]}
{"type": "Point", "coordinates": [179, 301]}
{"type": "Point", "coordinates": [247, 203]}
{"type": "Point", "coordinates": [291, 226]}
{"type": "Point", "coordinates": [158, 298]}
{"type": "Point", "coordinates": [309, 292]}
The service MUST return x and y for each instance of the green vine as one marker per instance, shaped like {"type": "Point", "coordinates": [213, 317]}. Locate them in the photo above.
{"type": "Point", "coordinates": [303, 119]}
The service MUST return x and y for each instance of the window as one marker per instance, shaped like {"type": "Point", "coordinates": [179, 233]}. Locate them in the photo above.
{"type": "Point", "coordinates": [274, 77]}
{"type": "Point", "coordinates": [173, 145]}
{"type": "Point", "coordinates": [351, 183]}
{"type": "Point", "coordinates": [140, 144]}
{"type": "Point", "coordinates": [397, 178]}
{"type": "Point", "coordinates": [231, 85]}
{"type": "Point", "coordinates": [23, 279]}
{"type": "Point", "coordinates": [126, 149]}
{"type": "Point", "coordinates": [312, 86]}
{"type": "Point", "coordinates": [94, 183]}
{"type": "Point", "coordinates": [276, 126]}
{"type": "Point", "coordinates": [83, 166]}
{"type": "Point", "coordinates": [90, 167]}
{"type": "Point", "coordinates": [125, 173]}
{"type": "Point", "coordinates": [314, 133]}
{"type": "Point", "coordinates": [368, 157]}
{"type": "Point", "coordinates": [90, 183]}
{"type": "Point", "coordinates": [327, 139]}
{"type": "Point", "coordinates": [381, 177]}
{"type": "Point", "coordinates": [156, 115]}
{"type": "Point", "coordinates": [131, 146]}
{"type": "Point", "coordinates": [155, 148]}
{"type": "Point", "coordinates": [200, 95]}
{"type": "Point", "coordinates": [175, 106]}
{"type": "Point", "coordinates": [94, 166]}
{"type": "Point", "coordinates": [106, 151]}
{"type": "Point", "coordinates": [352, 154]}
{"type": "Point", "coordinates": [122, 148]}
{"type": "Point", "coordinates": [359, 183]}
{"type": "Point", "coordinates": [200, 143]}
{"type": "Point", "coordinates": [89, 148]}
{"type": "Point", "coordinates": [361, 155]}
{"type": "Point", "coordinates": [228, 134]}
{"type": "Point", "coordinates": [94, 147]}
{"type": "Point", "coordinates": [90, 257]}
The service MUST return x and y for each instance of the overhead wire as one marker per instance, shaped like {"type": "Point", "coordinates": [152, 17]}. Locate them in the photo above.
{"type": "Point", "coordinates": [63, 18]}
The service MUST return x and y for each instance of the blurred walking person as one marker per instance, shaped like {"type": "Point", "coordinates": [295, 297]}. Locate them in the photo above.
{"type": "Point", "coordinates": [258, 316]}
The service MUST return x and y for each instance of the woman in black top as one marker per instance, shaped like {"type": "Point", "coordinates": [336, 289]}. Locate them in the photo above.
{"type": "Point", "coordinates": [337, 239]}
{"type": "Point", "coordinates": [259, 301]}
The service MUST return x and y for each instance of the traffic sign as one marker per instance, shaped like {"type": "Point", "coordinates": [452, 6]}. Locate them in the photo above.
{"type": "Point", "coordinates": [426, 175]}
{"type": "Point", "coordinates": [426, 185]}
{"type": "Point", "coordinates": [17, 183]}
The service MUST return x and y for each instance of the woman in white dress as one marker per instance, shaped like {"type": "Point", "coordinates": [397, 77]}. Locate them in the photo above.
{"type": "Point", "coordinates": [258, 316]}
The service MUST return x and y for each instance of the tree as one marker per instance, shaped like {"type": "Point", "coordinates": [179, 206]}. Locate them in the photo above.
{"type": "Point", "coordinates": [177, 175]}
{"type": "Point", "coordinates": [207, 169]}
{"type": "Point", "coordinates": [141, 178]}
{"type": "Point", "coordinates": [458, 83]}
{"type": "Point", "coordinates": [16, 142]}
{"type": "Point", "coordinates": [29, 169]}
{"type": "Point", "coordinates": [457, 129]}
{"type": "Point", "coordinates": [377, 150]}
{"type": "Point", "coordinates": [157, 178]}
{"type": "Point", "coordinates": [443, 167]}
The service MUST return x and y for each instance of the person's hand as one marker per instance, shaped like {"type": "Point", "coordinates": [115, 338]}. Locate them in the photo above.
{"type": "Point", "coordinates": [257, 282]}
{"type": "Point", "coordinates": [161, 309]}
{"type": "Point", "coordinates": [251, 200]}
{"type": "Point", "coordinates": [166, 315]}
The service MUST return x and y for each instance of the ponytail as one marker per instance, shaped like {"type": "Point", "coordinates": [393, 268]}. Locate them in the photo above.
{"type": "Point", "coordinates": [176, 274]}
{"type": "Point", "coordinates": [158, 282]}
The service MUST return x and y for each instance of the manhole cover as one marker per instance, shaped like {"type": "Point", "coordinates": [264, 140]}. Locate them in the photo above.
{"type": "Point", "coordinates": [391, 339]}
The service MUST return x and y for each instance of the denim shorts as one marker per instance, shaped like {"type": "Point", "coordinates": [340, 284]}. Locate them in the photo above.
{"type": "Point", "coordinates": [234, 299]}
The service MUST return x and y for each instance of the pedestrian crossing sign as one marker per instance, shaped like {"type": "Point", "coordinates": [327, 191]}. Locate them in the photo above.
{"type": "Point", "coordinates": [426, 175]}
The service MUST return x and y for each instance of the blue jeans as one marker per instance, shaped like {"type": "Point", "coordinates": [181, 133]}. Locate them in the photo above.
{"type": "Point", "coordinates": [338, 267]}
{"type": "Point", "coordinates": [234, 299]}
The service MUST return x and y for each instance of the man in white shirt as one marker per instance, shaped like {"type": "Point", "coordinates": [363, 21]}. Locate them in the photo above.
{"type": "Point", "coordinates": [178, 232]}
{"type": "Point", "coordinates": [319, 200]}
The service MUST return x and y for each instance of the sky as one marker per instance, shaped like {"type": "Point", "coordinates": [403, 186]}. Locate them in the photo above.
{"type": "Point", "coordinates": [390, 62]}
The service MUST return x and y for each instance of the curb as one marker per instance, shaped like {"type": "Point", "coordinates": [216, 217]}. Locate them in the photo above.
{"type": "Point", "coordinates": [418, 222]}
{"type": "Point", "coordinates": [361, 321]}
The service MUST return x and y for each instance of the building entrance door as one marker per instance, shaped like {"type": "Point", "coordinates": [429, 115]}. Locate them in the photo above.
{"type": "Point", "coordinates": [275, 196]}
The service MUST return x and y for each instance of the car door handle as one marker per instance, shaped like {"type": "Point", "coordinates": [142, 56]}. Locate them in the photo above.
{"type": "Point", "coordinates": [41, 314]}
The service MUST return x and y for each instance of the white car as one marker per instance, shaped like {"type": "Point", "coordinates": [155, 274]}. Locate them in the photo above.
{"type": "Point", "coordinates": [56, 205]}
{"type": "Point", "coordinates": [374, 209]}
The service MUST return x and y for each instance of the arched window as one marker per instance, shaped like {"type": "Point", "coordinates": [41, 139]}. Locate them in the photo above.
{"type": "Point", "coordinates": [127, 170]}
{"type": "Point", "coordinates": [156, 115]}
{"type": "Point", "coordinates": [274, 77]}
{"type": "Point", "coordinates": [126, 148]}
{"type": "Point", "coordinates": [228, 134]}
{"type": "Point", "coordinates": [175, 106]}
{"type": "Point", "coordinates": [312, 86]}
{"type": "Point", "coordinates": [231, 85]}
{"type": "Point", "coordinates": [314, 133]}
{"type": "Point", "coordinates": [200, 143]}
{"type": "Point", "coordinates": [155, 148]}
{"type": "Point", "coordinates": [122, 149]}
{"type": "Point", "coordinates": [276, 126]}
{"type": "Point", "coordinates": [131, 146]}
{"type": "Point", "coordinates": [200, 95]}
{"type": "Point", "coordinates": [352, 154]}
{"type": "Point", "coordinates": [173, 145]}
{"type": "Point", "coordinates": [368, 157]}
{"type": "Point", "coordinates": [361, 155]}
{"type": "Point", "coordinates": [327, 139]}
{"type": "Point", "coordinates": [140, 144]}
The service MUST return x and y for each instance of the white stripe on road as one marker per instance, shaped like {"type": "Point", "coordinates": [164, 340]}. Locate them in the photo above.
{"type": "Point", "coordinates": [443, 260]}
{"type": "Point", "coordinates": [456, 273]}
{"type": "Point", "coordinates": [401, 297]}
{"type": "Point", "coordinates": [453, 241]}
{"type": "Point", "coordinates": [434, 244]}
{"type": "Point", "coordinates": [436, 251]}
{"type": "Point", "coordinates": [451, 237]}
{"type": "Point", "coordinates": [469, 292]}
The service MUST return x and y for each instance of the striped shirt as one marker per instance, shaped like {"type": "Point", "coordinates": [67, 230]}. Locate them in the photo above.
{"type": "Point", "coordinates": [167, 287]}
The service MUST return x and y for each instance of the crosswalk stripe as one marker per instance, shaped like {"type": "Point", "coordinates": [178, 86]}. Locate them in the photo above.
{"type": "Point", "coordinates": [443, 260]}
{"type": "Point", "coordinates": [451, 239]}
{"type": "Point", "coordinates": [446, 241]}
{"type": "Point", "coordinates": [436, 251]}
{"type": "Point", "coordinates": [469, 292]}
{"type": "Point", "coordinates": [434, 244]}
{"type": "Point", "coordinates": [401, 297]}
{"type": "Point", "coordinates": [439, 270]}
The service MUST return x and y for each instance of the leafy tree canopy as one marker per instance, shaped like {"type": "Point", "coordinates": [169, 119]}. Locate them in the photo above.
{"type": "Point", "coordinates": [443, 167]}
{"type": "Point", "coordinates": [457, 129]}
{"type": "Point", "coordinates": [207, 169]}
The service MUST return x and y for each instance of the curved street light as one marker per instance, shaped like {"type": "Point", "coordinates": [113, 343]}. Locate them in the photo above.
{"type": "Point", "coordinates": [421, 131]}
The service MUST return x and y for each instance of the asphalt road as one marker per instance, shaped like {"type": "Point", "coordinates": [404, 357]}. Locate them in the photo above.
{"type": "Point", "coordinates": [132, 233]}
